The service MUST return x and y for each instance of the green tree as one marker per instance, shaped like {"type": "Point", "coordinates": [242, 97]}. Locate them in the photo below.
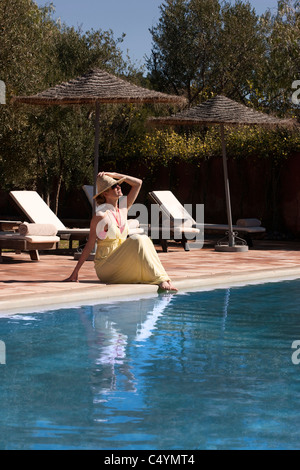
{"type": "Point", "coordinates": [184, 46]}
{"type": "Point", "coordinates": [63, 149]}
{"type": "Point", "coordinates": [25, 29]}
{"type": "Point", "coordinates": [281, 67]}
{"type": "Point", "coordinates": [241, 51]}
{"type": "Point", "coordinates": [72, 53]}
{"type": "Point", "coordinates": [65, 135]}
{"type": "Point", "coordinates": [208, 47]}
{"type": "Point", "coordinates": [45, 148]}
{"type": "Point", "coordinates": [203, 47]}
{"type": "Point", "coordinates": [25, 32]}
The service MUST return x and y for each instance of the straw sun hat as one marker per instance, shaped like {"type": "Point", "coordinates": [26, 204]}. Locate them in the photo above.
{"type": "Point", "coordinates": [105, 182]}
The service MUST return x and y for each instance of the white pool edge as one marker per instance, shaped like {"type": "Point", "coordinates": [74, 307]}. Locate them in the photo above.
{"type": "Point", "coordinates": [113, 293]}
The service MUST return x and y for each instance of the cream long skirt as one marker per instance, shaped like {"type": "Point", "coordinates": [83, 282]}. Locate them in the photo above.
{"type": "Point", "coordinates": [135, 261]}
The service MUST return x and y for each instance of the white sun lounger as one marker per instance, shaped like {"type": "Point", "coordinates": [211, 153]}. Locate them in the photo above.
{"type": "Point", "coordinates": [37, 211]}
{"type": "Point", "coordinates": [180, 219]}
{"type": "Point", "coordinates": [180, 223]}
{"type": "Point", "coordinates": [32, 243]}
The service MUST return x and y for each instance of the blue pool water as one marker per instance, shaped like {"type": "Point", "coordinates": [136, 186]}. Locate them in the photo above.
{"type": "Point", "coordinates": [206, 370]}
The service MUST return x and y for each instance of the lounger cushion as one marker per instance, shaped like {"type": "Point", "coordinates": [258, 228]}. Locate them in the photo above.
{"type": "Point", "coordinates": [248, 223]}
{"type": "Point", "coordinates": [31, 239]}
{"type": "Point", "coordinates": [176, 232]}
{"type": "Point", "coordinates": [177, 223]}
{"type": "Point", "coordinates": [133, 223]}
{"type": "Point", "coordinates": [42, 239]}
{"type": "Point", "coordinates": [37, 230]}
{"type": "Point", "coordinates": [224, 227]}
{"type": "Point", "coordinates": [134, 227]}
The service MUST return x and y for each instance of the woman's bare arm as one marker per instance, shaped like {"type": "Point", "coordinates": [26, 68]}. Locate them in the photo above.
{"type": "Point", "coordinates": [87, 249]}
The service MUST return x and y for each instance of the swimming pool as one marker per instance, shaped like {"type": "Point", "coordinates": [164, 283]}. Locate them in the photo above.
{"type": "Point", "coordinates": [196, 370]}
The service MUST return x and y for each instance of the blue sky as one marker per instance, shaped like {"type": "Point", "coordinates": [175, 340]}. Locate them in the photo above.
{"type": "Point", "coordinates": [132, 17]}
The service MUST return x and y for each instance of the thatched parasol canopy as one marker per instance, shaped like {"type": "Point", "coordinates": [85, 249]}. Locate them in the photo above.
{"type": "Point", "coordinates": [224, 112]}
{"type": "Point", "coordinates": [98, 86]}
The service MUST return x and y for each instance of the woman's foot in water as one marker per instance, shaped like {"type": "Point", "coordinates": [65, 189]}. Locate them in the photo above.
{"type": "Point", "coordinates": [167, 286]}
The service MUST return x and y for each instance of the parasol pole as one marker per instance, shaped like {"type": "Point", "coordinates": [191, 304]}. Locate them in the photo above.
{"type": "Point", "coordinates": [227, 188]}
{"type": "Point", "coordinates": [230, 245]}
{"type": "Point", "coordinates": [96, 150]}
{"type": "Point", "coordinates": [96, 167]}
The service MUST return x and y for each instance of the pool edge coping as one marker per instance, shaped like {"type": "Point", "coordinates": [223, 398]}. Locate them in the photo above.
{"type": "Point", "coordinates": [113, 293]}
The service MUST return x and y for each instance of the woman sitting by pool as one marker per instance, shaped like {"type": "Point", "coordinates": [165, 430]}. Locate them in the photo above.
{"type": "Point", "coordinates": [120, 259]}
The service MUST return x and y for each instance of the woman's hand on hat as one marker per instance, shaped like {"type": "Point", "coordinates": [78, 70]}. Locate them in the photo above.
{"type": "Point", "coordinates": [111, 174]}
{"type": "Point", "coordinates": [107, 173]}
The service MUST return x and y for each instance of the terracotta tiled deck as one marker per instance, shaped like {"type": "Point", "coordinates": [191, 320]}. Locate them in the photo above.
{"type": "Point", "coordinates": [26, 285]}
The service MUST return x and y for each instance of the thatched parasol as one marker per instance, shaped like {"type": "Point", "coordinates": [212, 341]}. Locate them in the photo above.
{"type": "Point", "coordinates": [224, 112]}
{"type": "Point", "coordinates": [97, 87]}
